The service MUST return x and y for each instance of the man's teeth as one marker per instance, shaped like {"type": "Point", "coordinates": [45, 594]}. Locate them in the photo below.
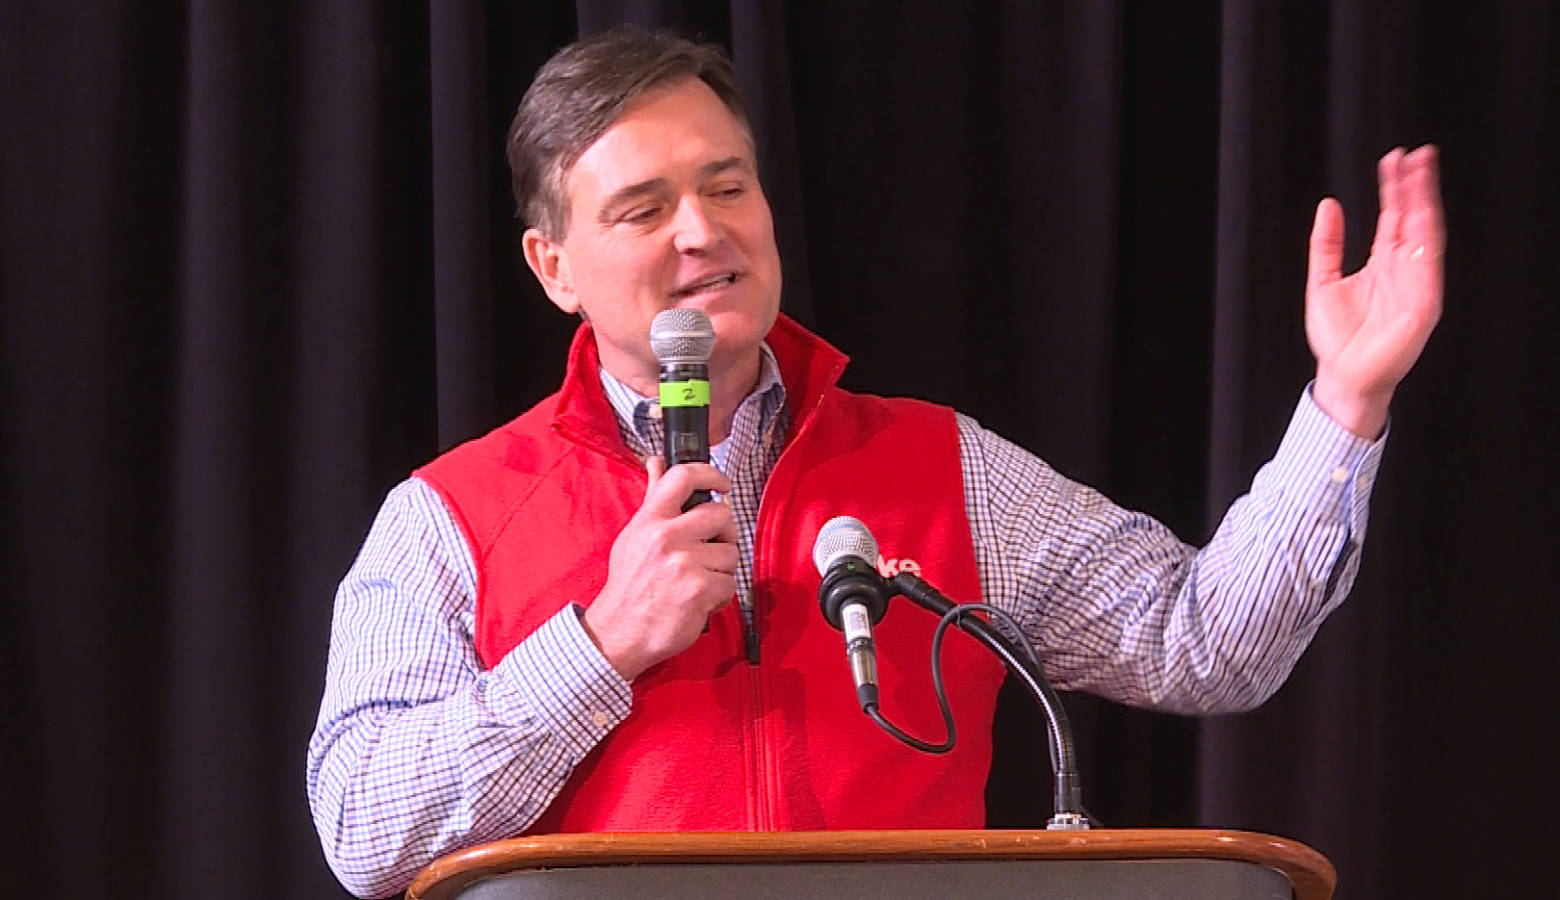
{"type": "Point", "coordinates": [720, 281]}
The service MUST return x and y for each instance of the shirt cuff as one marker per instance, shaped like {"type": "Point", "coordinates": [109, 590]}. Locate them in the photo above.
{"type": "Point", "coordinates": [1323, 466]}
{"type": "Point", "coordinates": [566, 683]}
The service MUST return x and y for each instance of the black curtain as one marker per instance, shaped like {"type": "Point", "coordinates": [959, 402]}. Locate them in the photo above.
{"type": "Point", "coordinates": [259, 261]}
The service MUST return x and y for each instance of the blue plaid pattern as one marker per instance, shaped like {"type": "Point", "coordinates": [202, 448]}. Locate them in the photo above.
{"type": "Point", "coordinates": [418, 750]}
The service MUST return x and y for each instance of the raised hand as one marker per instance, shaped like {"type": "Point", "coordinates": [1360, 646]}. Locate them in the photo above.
{"type": "Point", "coordinates": [668, 571]}
{"type": "Point", "coordinates": [1367, 329]}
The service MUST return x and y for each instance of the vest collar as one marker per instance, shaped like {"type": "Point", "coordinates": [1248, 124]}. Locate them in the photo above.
{"type": "Point", "coordinates": [809, 367]}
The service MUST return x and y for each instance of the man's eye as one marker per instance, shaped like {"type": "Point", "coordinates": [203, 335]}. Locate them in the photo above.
{"type": "Point", "coordinates": [641, 215]}
{"type": "Point", "coordinates": [731, 192]}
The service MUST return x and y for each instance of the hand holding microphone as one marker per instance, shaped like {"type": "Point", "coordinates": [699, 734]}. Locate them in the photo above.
{"type": "Point", "coordinates": [669, 570]}
{"type": "Point", "coordinates": [675, 561]}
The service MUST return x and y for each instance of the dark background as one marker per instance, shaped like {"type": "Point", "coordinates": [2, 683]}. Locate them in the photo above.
{"type": "Point", "coordinates": [259, 261]}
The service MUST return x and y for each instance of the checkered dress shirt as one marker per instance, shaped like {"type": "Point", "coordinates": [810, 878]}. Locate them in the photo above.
{"type": "Point", "coordinates": [419, 749]}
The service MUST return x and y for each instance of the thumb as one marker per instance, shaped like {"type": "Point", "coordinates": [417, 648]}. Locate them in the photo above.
{"type": "Point", "coordinates": [1326, 256]}
{"type": "Point", "coordinates": [655, 467]}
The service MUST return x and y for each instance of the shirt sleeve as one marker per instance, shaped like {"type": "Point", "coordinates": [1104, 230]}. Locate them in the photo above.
{"type": "Point", "coordinates": [1118, 606]}
{"type": "Point", "coordinates": [418, 749]}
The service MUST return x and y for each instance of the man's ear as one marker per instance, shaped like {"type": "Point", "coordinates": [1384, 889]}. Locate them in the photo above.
{"type": "Point", "coordinates": [549, 262]}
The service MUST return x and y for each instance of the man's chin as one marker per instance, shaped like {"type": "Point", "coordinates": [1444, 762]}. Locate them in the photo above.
{"type": "Point", "coordinates": [740, 330]}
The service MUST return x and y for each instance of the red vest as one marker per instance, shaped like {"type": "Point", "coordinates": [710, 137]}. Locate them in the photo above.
{"type": "Point", "coordinates": [715, 743]}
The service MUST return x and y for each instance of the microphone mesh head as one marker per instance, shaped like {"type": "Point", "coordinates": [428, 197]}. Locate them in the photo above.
{"type": "Point", "coordinates": [843, 536]}
{"type": "Point", "coordinates": [682, 336]}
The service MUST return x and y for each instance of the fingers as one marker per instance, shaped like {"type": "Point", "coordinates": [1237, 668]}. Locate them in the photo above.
{"type": "Point", "coordinates": [667, 572]}
{"type": "Point", "coordinates": [1389, 183]}
{"type": "Point", "coordinates": [716, 520]}
{"type": "Point", "coordinates": [664, 495]}
{"type": "Point", "coordinates": [705, 522]}
{"type": "Point", "coordinates": [668, 488]}
{"type": "Point", "coordinates": [1326, 258]}
{"type": "Point", "coordinates": [718, 556]}
{"type": "Point", "coordinates": [705, 572]}
{"type": "Point", "coordinates": [1423, 222]}
{"type": "Point", "coordinates": [1411, 217]}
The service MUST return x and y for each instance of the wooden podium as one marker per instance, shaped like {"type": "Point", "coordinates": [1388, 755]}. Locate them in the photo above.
{"type": "Point", "coordinates": [1124, 864]}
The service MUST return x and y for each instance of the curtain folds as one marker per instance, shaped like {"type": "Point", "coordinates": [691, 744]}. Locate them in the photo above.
{"type": "Point", "coordinates": [259, 261]}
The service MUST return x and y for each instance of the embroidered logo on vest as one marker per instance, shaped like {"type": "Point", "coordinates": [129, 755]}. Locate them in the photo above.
{"type": "Point", "coordinates": [888, 568]}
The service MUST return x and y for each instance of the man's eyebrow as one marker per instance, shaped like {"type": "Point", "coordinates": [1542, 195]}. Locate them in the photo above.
{"type": "Point", "coordinates": [629, 192]}
{"type": "Point", "coordinates": [711, 169]}
{"type": "Point", "coordinates": [654, 185]}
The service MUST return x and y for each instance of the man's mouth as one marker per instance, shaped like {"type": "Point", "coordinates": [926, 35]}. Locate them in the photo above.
{"type": "Point", "coordinates": [714, 283]}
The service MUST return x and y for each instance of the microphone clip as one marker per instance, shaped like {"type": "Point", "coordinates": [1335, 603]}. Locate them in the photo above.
{"type": "Point", "coordinates": [853, 580]}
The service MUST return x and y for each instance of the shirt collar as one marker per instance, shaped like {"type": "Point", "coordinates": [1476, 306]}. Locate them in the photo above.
{"type": "Point", "coordinates": [639, 417]}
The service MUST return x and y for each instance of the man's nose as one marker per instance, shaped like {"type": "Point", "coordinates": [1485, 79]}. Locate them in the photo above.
{"type": "Point", "coordinates": [695, 229]}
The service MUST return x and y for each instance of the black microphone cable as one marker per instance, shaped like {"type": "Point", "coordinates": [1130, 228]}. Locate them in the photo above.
{"type": "Point", "coordinates": [843, 553]}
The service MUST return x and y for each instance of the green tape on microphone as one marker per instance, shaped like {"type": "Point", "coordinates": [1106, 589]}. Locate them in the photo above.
{"type": "Point", "coordinates": [685, 393]}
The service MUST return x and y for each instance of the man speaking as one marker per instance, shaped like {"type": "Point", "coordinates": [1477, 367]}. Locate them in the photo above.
{"type": "Point", "coordinates": [537, 635]}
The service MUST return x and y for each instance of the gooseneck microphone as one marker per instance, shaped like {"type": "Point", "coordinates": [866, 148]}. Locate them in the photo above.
{"type": "Point", "coordinates": [683, 340]}
{"type": "Point", "coordinates": [853, 596]}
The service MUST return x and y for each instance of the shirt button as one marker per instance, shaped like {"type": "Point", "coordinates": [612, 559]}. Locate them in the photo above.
{"type": "Point", "coordinates": [1339, 475]}
{"type": "Point", "coordinates": [600, 718]}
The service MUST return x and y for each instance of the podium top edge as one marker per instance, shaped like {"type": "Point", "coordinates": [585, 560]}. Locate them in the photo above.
{"type": "Point", "coordinates": [1309, 872]}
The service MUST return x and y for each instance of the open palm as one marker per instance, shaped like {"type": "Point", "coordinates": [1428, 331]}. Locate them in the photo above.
{"type": "Point", "coordinates": [1367, 329]}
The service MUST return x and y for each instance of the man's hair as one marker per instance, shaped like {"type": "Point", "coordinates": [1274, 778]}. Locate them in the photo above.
{"type": "Point", "coordinates": [581, 91]}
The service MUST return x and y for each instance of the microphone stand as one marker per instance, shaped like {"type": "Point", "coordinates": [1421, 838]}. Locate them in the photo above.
{"type": "Point", "coordinates": [1067, 793]}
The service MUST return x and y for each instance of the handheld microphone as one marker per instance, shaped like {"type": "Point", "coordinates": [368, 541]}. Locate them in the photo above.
{"type": "Point", "coordinates": [853, 596]}
{"type": "Point", "coordinates": [683, 340]}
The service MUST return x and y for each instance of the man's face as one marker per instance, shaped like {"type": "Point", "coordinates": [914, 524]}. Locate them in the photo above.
{"type": "Point", "coordinates": [665, 210]}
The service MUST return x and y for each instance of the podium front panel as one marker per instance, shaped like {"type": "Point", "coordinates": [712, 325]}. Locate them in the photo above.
{"type": "Point", "coordinates": [1148, 879]}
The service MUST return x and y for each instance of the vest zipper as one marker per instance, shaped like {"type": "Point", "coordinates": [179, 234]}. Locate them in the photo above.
{"type": "Point", "coordinates": [762, 765]}
{"type": "Point", "coordinates": [765, 767]}
{"type": "Point", "coordinates": [749, 627]}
